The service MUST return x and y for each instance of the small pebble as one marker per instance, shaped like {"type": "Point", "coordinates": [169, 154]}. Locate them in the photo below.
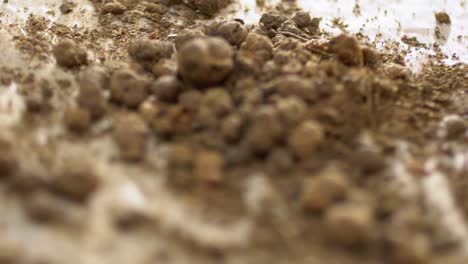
{"type": "Point", "coordinates": [265, 129]}
{"type": "Point", "coordinates": [166, 88]}
{"type": "Point", "coordinates": [190, 99]}
{"type": "Point", "coordinates": [148, 110]}
{"type": "Point", "coordinates": [231, 127]}
{"type": "Point", "coordinates": [209, 7]}
{"type": "Point", "coordinates": [305, 139]}
{"type": "Point", "coordinates": [77, 119]}
{"type": "Point", "coordinates": [165, 67]}
{"type": "Point", "coordinates": [302, 18]}
{"type": "Point", "coordinates": [452, 127]}
{"type": "Point", "coordinates": [321, 191]}
{"type": "Point", "coordinates": [257, 46]}
{"type": "Point", "coordinates": [292, 110]}
{"type": "Point", "coordinates": [291, 27]}
{"type": "Point", "coordinates": [68, 54]}
{"type": "Point", "coordinates": [75, 176]}
{"type": "Point", "coordinates": [113, 6]}
{"type": "Point", "coordinates": [156, 8]}
{"type": "Point", "coordinates": [67, 7]}
{"type": "Point", "coordinates": [93, 82]}
{"type": "Point", "coordinates": [149, 52]}
{"type": "Point", "coordinates": [272, 20]}
{"type": "Point", "coordinates": [232, 31]}
{"type": "Point", "coordinates": [96, 76]}
{"type": "Point", "coordinates": [206, 61]}
{"type": "Point", "coordinates": [314, 25]}
{"type": "Point", "coordinates": [209, 167]}
{"type": "Point", "coordinates": [443, 18]}
{"type": "Point", "coordinates": [347, 50]}
{"type": "Point", "coordinates": [371, 56]}
{"type": "Point", "coordinates": [172, 121]}
{"type": "Point", "coordinates": [350, 224]}
{"type": "Point", "coordinates": [215, 104]}
{"type": "Point", "coordinates": [187, 35]}
{"type": "Point", "coordinates": [131, 134]}
{"type": "Point", "coordinates": [128, 88]}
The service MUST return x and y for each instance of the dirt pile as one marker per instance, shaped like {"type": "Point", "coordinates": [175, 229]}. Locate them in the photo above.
{"type": "Point", "coordinates": [323, 129]}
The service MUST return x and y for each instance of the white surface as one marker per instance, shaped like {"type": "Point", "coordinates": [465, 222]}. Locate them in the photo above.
{"type": "Point", "coordinates": [391, 18]}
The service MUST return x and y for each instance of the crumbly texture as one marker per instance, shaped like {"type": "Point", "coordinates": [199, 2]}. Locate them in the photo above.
{"type": "Point", "coordinates": [169, 134]}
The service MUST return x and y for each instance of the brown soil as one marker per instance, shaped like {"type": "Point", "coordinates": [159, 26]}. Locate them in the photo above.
{"type": "Point", "coordinates": [169, 134]}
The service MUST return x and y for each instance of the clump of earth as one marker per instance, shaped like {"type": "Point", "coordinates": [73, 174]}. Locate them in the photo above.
{"type": "Point", "coordinates": [201, 139]}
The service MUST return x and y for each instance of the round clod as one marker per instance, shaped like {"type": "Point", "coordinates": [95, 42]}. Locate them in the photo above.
{"type": "Point", "coordinates": [75, 176]}
{"type": "Point", "coordinates": [93, 82]}
{"type": "Point", "coordinates": [187, 35]}
{"type": "Point", "coordinates": [232, 31]}
{"type": "Point", "coordinates": [209, 166]}
{"type": "Point", "coordinates": [206, 61]}
{"type": "Point", "coordinates": [130, 134]}
{"type": "Point", "coordinates": [265, 129]}
{"type": "Point", "coordinates": [231, 127]}
{"type": "Point", "coordinates": [150, 52]}
{"type": "Point", "coordinates": [305, 139]}
{"type": "Point", "coordinates": [272, 20]}
{"type": "Point", "coordinates": [321, 191]}
{"type": "Point", "coordinates": [128, 88]}
{"type": "Point", "coordinates": [258, 47]}
{"type": "Point", "coordinates": [113, 7]}
{"type": "Point", "coordinates": [209, 7]}
{"type": "Point", "coordinates": [77, 119]}
{"type": "Point", "coordinates": [347, 50]}
{"type": "Point", "coordinates": [292, 110]}
{"type": "Point", "coordinates": [302, 18]}
{"type": "Point", "coordinates": [371, 56]}
{"type": "Point", "coordinates": [166, 88]}
{"type": "Point", "coordinates": [68, 54]}
{"type": "Point", "coordinates": [215, 104]}
{"type": "Point", "coordinates": [350, 224]}
{"type": "Point", "coordinates": [443, 18]}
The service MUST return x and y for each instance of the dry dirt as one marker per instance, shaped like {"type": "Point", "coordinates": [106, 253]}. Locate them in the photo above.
{"type": "Point", "coordinates": [165, 131]}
